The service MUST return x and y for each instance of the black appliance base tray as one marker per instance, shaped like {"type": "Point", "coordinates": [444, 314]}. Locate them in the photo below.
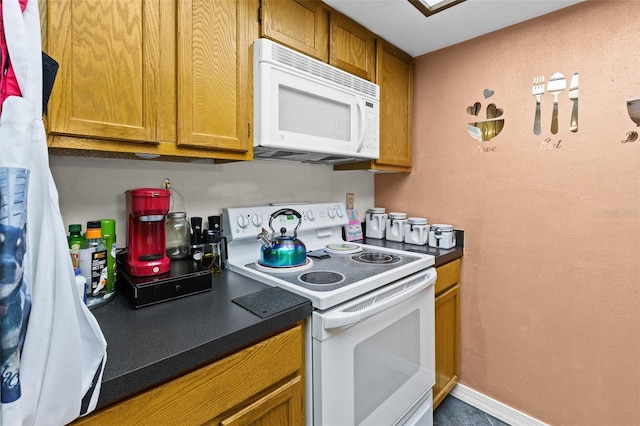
{"type": "Point", "coordinates": [185, 277]}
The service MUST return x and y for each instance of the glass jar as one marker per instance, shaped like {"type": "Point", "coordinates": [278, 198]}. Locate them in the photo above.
{"type": "Point", "coordinates": [178, 232]}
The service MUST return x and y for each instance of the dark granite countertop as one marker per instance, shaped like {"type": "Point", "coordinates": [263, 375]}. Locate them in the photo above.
{"type": "Point", "coordinates": [150, 345]}
{"type": "Point", "coordinates": [153, 344]}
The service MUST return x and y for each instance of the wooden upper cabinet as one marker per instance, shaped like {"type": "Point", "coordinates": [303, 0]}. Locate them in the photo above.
{"type": "Point", "coordinates": [214, 63]}
{"type": "Point", "coordinates": [352, 48]}
{"type": "Point", "coordinates": [108, 83]}
{"type": "Point", "coordinates": [395, 76]}
{"type": "Point", "coordinates": [152, 77]}
{"type": "Point", "coordinates": [300, 24]}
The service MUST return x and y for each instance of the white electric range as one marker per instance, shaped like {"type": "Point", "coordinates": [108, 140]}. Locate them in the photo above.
{"type": "Point", "coordinates": [370, 340]}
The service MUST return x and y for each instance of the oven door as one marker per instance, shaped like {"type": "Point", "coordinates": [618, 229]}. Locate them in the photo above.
{"type": "Point", "coordinates": [373, 357]}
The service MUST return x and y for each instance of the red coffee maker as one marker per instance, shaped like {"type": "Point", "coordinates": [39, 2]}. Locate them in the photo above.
{"type": "Point", "coordinates": [146, 239]}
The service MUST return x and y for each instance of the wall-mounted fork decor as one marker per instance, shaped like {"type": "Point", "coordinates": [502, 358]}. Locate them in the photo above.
{"type": "Point", "coordinates": [555, 86]}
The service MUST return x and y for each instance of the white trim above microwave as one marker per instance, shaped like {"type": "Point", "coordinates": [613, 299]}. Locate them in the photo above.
{"type": "Point", "coordinates": [306, 110]}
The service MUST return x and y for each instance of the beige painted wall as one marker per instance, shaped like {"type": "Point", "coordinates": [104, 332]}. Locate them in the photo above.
{"type": "Point", "coordinates": [550, 301]}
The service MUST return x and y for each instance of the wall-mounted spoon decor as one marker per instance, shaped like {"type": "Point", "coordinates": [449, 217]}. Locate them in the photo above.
{"type": "Point", "coordinates": [557, 84]}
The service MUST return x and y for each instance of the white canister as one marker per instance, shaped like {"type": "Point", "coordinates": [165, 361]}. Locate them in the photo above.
{"type": "Point", "coordinates": [416, 231]}
{"type": "Point", "coordinates": [395, 226]}
{"type": "Point", "coordinates": [442, 236]}
{"type": "Point", "coordinates": [376, 222]}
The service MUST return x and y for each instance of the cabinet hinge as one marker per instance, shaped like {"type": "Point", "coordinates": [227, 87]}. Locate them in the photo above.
{"type": "Point", "coordinates": [248, 130]}
{"type": "Point", "coordinates": [260, 14]}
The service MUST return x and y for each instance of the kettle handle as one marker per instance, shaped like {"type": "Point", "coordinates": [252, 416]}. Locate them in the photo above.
{"type": "Point", "coordinates": [283, 212]}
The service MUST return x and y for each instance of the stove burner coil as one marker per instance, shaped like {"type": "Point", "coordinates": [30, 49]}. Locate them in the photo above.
{"type": "Point", "coordinates": [308, 263]}
{"type": "Point", "coordinates": [321, 277]}
{"type": "Point", "coordinates": [376, 258]}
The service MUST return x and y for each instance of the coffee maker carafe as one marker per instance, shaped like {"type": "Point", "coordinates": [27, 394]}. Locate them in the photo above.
{"type": "Point", "coordinates": [146, 238]}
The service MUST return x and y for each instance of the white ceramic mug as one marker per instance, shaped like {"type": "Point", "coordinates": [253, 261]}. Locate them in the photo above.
{"type": "Point", "coordinates": [416, 231]}
{"type": "Point", "coordinates": [395, 226]}
{"type": "Point", "coordinates": [376, 222]}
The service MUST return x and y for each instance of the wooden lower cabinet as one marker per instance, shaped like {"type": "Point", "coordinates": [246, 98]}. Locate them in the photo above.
{"type": "Point", "coordinates": [447, 329]}
{"type": "Point", "coordinates": [260, 385]}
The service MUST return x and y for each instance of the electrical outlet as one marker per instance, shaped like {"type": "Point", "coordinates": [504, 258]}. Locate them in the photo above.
{"type": "Point", "coordinates": [350, 198]}
{"type": "Point", "coordinates": [166, 183]}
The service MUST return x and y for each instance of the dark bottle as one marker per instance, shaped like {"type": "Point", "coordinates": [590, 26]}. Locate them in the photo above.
{"type": "Point", "coordinates": [76, 241]}
{"type": "Point", "coordinates": [197, 243]}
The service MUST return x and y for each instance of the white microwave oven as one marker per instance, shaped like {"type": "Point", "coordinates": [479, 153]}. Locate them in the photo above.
{"type": "Point", "coordinates": [309, 111]}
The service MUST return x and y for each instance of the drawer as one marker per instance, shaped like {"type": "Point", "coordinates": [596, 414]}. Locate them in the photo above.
{"type": "Point", "coordinates": [448, 275]}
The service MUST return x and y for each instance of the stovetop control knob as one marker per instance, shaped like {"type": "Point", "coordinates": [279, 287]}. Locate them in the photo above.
{"type": "Point", "coordinates": [310, 215]}
{"type": "Point", "coordinates": [243, 222]}
{"type": "Point", "coordinates": [331, 213]}
{"type": "Point", "coordinates": [256, 219]}
{"type": "Point", "coordinates": [339, 211]}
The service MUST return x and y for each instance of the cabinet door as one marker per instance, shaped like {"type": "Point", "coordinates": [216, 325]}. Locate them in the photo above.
{"type": "Point", "coordinates": [107, 85]}
{"type": "Point", "coordinates": [447, 330]}
{"type": "Point", "coordinates": [214, 77]}
{"type": "Point", "coordinates": [447, 317]}
{"type": "Point", "coordinates": [282, 407]}
{"type": "Point", "coordinates": [352, 48]}
{"type": "Point", "coordinates": [395, 76]}
{"type": "Point", "coordinates": [300, 24]}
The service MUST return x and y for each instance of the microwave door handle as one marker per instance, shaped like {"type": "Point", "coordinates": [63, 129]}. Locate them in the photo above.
{"type": "Point", "coordinates": [343, 319]}
{"type": "Point", "coordinates": [360, 106]}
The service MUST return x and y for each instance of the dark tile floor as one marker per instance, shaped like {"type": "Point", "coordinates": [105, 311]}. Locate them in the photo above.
{"type": "Point", "coordinates": [453, 412]}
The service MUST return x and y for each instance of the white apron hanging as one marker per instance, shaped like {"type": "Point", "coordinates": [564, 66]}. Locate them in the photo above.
{"type": "Point", "coordinates": [53, 352]}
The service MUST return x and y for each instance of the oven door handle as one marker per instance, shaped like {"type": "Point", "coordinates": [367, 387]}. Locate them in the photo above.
{"type": "Point", "coordinates": [373, 305]}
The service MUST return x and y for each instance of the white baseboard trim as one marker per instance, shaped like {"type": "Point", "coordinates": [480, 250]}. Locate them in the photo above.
{"type": "Point", "coordinates": [494, 408]}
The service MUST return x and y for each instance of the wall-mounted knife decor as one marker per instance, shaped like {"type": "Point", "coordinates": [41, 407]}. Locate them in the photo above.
{"type": "Point", "coordinates": [555, 86]}
{"type": "Point", "coordinates": [489, 128]}
{"type": "Point", "coordinates": [573, 95]}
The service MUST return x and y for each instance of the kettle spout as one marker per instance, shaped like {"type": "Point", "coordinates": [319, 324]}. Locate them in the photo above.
{"type": "Point", "coordinates": [263, 237]}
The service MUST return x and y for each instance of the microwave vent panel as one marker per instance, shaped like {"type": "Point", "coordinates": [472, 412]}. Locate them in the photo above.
{"type": "Point", "coordinates": [324, 71]}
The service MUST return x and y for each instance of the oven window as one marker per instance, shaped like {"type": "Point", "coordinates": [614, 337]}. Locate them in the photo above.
{"type": "Point", "coordinates": [305, 113]}
{"type": "Point", "coordinates": [384, 362]}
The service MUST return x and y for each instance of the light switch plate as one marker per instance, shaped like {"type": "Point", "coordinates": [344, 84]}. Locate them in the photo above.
{"type": "Point", "coordinates": [350, 198]}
